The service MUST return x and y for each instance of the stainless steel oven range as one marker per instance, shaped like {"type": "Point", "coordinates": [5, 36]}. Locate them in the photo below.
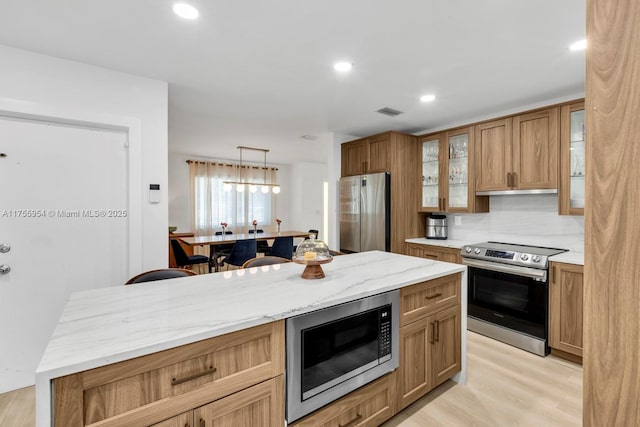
{"type": "Point", "coordinates": [333, 351]}
{"type": "Point", "coordinates": [509, 293]}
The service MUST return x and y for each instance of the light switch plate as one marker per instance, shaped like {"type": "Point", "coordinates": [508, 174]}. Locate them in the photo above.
{"type": "Point", "coordinates": [457, 220]}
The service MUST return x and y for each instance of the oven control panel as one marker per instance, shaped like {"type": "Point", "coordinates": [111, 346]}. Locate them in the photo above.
{"type": "Point", "coordinates": [500, 254]}
{"type": "Point", "coordinates": [505, 256]}
{"type": "Point", "coordinates": [385, 331]}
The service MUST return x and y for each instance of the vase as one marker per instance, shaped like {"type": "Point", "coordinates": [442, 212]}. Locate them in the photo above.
{"type": "Point", "coordinates": [278, 229]}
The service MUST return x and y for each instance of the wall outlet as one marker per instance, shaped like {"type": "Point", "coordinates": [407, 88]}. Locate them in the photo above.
{"type": "Point", "coordinates": [457, 220]}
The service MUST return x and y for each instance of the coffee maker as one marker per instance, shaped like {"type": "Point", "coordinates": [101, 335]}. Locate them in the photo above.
{"type": "Point", "coordinates": [436, 227]}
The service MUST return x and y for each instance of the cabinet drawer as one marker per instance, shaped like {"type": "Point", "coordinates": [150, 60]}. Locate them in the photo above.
{"type": "Point", "coordinates": [368, 406]}
{"type": "Point", "coordinates": [423, 299]}
{"type": "Point", "coordinates": [155, 387]}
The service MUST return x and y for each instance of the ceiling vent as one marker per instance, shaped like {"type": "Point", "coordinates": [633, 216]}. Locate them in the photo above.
{"type": "Point", "coordinates": [389, 112]}
{"type": "Point", "coordinates": [309, 137]}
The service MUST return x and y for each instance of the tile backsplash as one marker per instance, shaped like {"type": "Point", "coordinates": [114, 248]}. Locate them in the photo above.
{"type": "Point", "coordinates": [526, 219]}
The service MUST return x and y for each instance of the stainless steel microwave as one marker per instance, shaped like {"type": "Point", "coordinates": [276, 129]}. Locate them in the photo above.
{"type": "Point", "coordinates": [333, 351]}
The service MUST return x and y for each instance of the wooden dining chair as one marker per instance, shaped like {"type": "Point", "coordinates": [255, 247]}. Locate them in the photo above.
{"type": "Point", "coordinates": [264, 260]}
{"type": "Point", "coordinates": [160, 274]}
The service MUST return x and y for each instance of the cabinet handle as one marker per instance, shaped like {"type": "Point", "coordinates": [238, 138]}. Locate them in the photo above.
{"type": "Point", "coordinates": [351, 422]}
{"type": "Point", "coordinates": [515, 180]}
{"type": "Point", "coordinates": [211, 370]}
{"type": "Point", "coordinates": [433, 332]}
{"type": "Point", "coordinates": [508, 179]}
{"type": "Point", "coordinates": [439, 294]}
{"type": "Point", "coordinates": [202, 423]}
{"type": "Point", "coordinates": [437, 329]}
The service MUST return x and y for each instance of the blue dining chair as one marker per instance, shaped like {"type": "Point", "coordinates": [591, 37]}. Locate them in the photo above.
{"type": "Point", "coordinates": [263, 246]}
{"type": "Point", "coordinates": [183, 260]}
{"type": "Point", "coordinates": [282, 247]}
{"type": "Point", "coordinates": [242, 251]}
{"type": "Point", "coordinates": [223, 250]}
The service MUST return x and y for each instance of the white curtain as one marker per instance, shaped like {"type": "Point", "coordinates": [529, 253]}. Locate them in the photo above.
{"type": "Point", "coordinates": [211, 204]}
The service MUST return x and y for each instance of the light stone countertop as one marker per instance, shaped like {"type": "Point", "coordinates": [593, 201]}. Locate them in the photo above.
{"type": "Point", "coordinates": [570, 257]}
{"type": "Point", "coordinates": [109, 325]}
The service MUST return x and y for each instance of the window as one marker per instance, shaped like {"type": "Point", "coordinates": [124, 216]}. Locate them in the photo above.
{"type": "Point", "coordinates": [213, 205]}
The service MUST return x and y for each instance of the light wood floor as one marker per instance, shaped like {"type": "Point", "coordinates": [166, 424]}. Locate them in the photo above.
{"type": "Point", "coordinates": [505, 387]}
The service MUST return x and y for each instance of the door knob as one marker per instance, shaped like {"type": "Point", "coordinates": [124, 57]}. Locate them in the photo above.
{"type": "Point", "coordinates": [4, 248]}
{"type": "Point", "coordinates": [4, 269]}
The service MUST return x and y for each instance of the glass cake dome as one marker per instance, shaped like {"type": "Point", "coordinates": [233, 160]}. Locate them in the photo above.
{"type": "Point", "coordinates": [312, 250]}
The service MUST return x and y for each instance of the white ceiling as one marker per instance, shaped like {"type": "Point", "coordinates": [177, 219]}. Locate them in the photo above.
{"type": "Point", "coordinates": [259, 73]}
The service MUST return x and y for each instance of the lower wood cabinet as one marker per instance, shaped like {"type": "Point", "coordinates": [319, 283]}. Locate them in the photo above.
{"type": "Point", "coordinates": [153, 388]}
{"type": "Point", "coordinates": [260, 405]}
{"type": "Point", "coordinates": [430, 354]}
{"type": "Point", "coordinates": [565, 310]}
{"type": "Point", "coordinates": [437, 253]}
{"type": "Point", "coordinates": [368, 406]}
{"type": "Point", "coordinates": [430, 337]}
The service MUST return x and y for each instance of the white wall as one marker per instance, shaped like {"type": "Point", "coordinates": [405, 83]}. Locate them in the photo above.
{"type": "Point", "coordinates": [37, 82]}
{"type": "Point", "coordinates": [529, 219]}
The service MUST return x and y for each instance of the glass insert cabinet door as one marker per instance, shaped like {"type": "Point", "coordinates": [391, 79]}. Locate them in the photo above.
{"type": "Point", "coordinates": [458, 179]}
{"type": "Point", "coordinates": [431, 197]}
{"type": "Point", "coordinates": [576, 155]}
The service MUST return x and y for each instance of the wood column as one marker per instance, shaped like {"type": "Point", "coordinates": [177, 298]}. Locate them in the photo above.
{"type": "Point", "coordinates": [612, 215]}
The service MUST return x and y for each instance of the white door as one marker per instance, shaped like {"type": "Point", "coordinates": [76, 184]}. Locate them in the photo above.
{"type": "Point", "coordinates": [63, 213]}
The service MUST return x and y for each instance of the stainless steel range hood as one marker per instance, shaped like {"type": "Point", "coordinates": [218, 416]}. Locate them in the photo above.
{"type": "Point", "coordinates": [512, 192]}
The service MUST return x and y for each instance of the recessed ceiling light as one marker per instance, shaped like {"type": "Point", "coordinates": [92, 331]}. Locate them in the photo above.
{"type": "Point", "coordinates": [427, 98]}
{"type": "Point", "coordinates": [342, 66]}
{"type": "Point", "coordinates": [579, 45]}
{"type": "Point", "coordinates": [185, 11]}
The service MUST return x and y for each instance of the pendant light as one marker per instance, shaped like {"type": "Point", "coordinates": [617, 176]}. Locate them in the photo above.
{"type": "Point", "coordinates": [252, 186]}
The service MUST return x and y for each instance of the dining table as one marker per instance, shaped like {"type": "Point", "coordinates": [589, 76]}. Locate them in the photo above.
{"type": "Point", "coordinates": [225, 239]}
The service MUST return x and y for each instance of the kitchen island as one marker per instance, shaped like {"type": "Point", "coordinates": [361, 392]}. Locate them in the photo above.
{"type": "Point", "coordinates": [110, 325]}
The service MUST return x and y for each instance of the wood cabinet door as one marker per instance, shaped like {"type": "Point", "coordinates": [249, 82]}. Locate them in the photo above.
{"type": "Point", "coordinates": [444, 340]}
{"type": "Point", "coordinates": [565, 308]}
{"type": "Point", "coordinates": [182, 420]}
{"type": "Point", "coordinates": [368, 406]}
{"type": "Point", "coordinates": [414, 376]}
{"type": "Point", "coordinates": [535, 149]}
{"type": "Point", "coordinates": [378, 154]}
{"type": "Point", "coordinates": [354, 155]}
{"type": "Point", "coordinates": [260, 405]}
{"type": "Point", "coordinates": [493, 155]}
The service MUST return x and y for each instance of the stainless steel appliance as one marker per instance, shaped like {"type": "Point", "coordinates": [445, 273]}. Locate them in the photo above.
{"type": "Point", "coordinates": [437, 227]}
{"type": "Point", "coordinates": [365, 206]}
{"type": "Point", "coordinates": [508, 293]}
{"type": "Point", "coordinates": [334, 351]}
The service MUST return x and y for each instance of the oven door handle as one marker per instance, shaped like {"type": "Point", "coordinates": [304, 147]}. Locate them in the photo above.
{"type": "Point", "coordinates": [532, 273]}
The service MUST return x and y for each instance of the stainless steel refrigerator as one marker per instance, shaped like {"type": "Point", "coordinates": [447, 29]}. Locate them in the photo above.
{"type": "Point", "coordinates": [365, 213]}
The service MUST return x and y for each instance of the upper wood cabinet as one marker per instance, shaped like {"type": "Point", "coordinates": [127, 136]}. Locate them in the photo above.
{"type": "Point", "coordinates": [494, 155]}
{"type": "Point", "coordinates": [565, 308]}
{"type": "Point", "coordinates": [572, 159]}
{"type": "Point", "coordinates": [447, 179]}
{"type": "Point", "coordinates": [519, 152]}
{"type": "Point", "coordinates": [367, 155]}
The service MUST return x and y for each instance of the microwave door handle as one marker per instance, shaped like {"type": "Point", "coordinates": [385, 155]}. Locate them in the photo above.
{"type": "Point", "coordinates": [531, 273]}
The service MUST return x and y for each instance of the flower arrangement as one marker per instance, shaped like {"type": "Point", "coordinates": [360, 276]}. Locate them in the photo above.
{"type": "Point", "coordinates": [223, 225]}
{"type": "Point", "coordinates": [278, 222]}
{"type": "Point", "coordinates": [255, 226]}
